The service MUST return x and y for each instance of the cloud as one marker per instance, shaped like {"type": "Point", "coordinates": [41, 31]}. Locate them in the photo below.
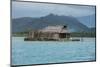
{"type": "Point", "coordinates": [28, 9]}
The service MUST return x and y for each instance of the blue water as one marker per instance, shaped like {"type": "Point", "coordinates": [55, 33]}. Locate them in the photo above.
{"type": "Point", "coordinates": [41, 52]}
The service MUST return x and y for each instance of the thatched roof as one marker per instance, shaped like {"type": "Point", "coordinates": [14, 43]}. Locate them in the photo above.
{"type": "Point", "coordinates": [56, 29]}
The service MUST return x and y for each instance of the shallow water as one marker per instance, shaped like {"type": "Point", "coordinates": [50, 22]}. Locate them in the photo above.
{"type": "Point", "coordinates": [41, 52]}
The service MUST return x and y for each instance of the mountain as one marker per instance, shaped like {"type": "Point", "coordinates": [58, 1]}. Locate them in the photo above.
{"type": "Point", "coordinates": [88, 20]}
{"type": "Point", "coordinates": [25, 23]}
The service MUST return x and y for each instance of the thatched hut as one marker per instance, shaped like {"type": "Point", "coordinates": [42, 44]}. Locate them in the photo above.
{"type": "Point", "coordinates": [57, 32]}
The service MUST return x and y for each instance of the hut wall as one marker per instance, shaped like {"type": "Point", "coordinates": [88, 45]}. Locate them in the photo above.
{"type": "Point", "coordinates": [56, 36]}
{"type": "Point", "coordinates": [68, 35]}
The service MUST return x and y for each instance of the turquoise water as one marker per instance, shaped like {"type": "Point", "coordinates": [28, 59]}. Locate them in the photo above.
{"type": "Point", "coordinates": [41, 52]}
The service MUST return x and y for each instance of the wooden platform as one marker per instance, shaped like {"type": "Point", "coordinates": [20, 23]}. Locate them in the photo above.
{"type": "Point", "coordinates": [45, 39]}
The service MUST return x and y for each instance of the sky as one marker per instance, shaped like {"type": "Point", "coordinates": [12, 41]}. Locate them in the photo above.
{"type": "Point", "coordinates": [28, 9]}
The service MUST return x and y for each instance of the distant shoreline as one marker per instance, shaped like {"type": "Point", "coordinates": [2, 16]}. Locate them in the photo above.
{"type": "Point", "coordinates": [71, 37]}
{"type": "Point", "coordinates": [73, 34]}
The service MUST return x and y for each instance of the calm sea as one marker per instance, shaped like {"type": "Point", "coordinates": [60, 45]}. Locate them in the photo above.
{"type": "Point", "coordinates": [41, 52]}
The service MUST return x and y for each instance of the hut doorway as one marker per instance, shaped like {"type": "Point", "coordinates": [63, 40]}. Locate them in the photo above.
{"type": "Point", "coordinates": [62, 35]}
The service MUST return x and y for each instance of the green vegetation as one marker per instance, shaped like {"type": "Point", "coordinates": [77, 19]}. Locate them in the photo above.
{"type": "Point", "coordinates": [83, 34]}
{"type": "Point", "coordinates": [20, 34]}
{"type": "Point", "coordinates": [74, 34]}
